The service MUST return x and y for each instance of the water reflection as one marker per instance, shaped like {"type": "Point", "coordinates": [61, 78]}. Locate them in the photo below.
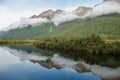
{"type": "Point", "coordinates": [23, 55]}
{"type": "Point", "coordinates": [35, 66]}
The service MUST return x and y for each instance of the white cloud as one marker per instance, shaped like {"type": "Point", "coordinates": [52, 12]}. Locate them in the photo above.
{"type": "Point", "coordinates": [105, 72]}
{"type": "Point", "coordinates": [63, 62]}
{"type": "Point", "coordinates": [10, 19]}
{"type": "Point", "coordinates": [64, 17]}
{"type": "Point", "coordinates": [8, 16]}
{"type": "Point", "coordinates": [24, 22]}
{"type": "Point", "coordinates": [106, 8]}
{"type": "Point", "coordinates": [34, 21]}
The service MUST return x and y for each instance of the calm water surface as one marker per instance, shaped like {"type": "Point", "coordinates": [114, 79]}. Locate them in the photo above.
{"type": "Point", "coordinates": [26, 63]}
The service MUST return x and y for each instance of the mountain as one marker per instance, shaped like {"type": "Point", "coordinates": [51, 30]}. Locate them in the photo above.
{"type": "Point", "coordinates": [47, 14]}
{"type": "Point", "coordinates": [107, 26]}
{"type": "Point", "coordinates": [103, 19]}
{"type": "Point", "coordinates": [82, 11]}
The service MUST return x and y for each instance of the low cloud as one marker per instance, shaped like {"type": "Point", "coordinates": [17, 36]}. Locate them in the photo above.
{"type": "Point", "coordinates": [107, 7]}
{"type": "Point", "coordinates": [24, 22]}
{"type": "Point", "coordinates": [64, 17]}
{"type": "Point", "coordinates": [57, 19]}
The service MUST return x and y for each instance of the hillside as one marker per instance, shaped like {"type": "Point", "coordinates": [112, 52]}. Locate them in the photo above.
{"type": "Point", "coordinates": [107, 26]}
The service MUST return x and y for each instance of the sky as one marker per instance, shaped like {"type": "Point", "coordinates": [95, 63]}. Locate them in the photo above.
{"type": "Point", "coordinates": [12, 10]}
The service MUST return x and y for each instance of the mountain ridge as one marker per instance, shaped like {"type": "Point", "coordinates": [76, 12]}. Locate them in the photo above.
{"type": "Point", "coordinates": [59, 16]}
{"type": "Point", "coordinates": [60, 23]}
{"type": "Point", "coordinates": [107, 26]}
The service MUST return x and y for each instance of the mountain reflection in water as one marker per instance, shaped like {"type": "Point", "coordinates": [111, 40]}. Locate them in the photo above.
{"type": "Point", "coordinates": [35, 66]}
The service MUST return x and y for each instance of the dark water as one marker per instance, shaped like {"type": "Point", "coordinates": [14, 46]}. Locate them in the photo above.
{"type": "Point", "coordinates": [28, 63]}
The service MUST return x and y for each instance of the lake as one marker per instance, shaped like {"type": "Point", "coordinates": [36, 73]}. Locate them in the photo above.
{"type": "Point", "coordinates": [28, 63]}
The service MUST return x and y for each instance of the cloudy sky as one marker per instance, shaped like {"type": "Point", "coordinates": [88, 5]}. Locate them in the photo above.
{"type": "Point", "coordinates": [12, 10]}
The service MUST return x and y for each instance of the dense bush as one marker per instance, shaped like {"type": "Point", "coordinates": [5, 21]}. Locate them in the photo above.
{"type": "Point", "coordinates": [92, 44]}
{"type": "Point", "coordinates": [89, 45]}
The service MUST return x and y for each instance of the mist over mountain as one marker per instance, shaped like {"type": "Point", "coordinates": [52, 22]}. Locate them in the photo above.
{"type": "Point", "coordinates": [107, 7]}
{"type": "Point", "coordinates": [24, 22]}
{"type": "Point", "coordinates": [102, 19]}
{"type": "Point", "coordinates": [59, 16]}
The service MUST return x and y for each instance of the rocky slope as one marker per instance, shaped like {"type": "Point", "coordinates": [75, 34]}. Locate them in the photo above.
{"type": "Point", "coordinates": [47, 14]}
{"type": "Point", "coordinates": [83, 12]}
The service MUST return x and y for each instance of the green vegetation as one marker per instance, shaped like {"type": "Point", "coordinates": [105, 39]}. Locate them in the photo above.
{"type": "Point", "coordinates": [107, 26]}
{"type": "Point", "coordinates": [15, 41]}
{"type": "Point", "coordinates": [73, 39]}
{"type": "Point", "coordinates": [91, 49]}
{"type": "Point", "coordinates": [89, 45]}
{"type": "Point", "coordinates": [92, 45]}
